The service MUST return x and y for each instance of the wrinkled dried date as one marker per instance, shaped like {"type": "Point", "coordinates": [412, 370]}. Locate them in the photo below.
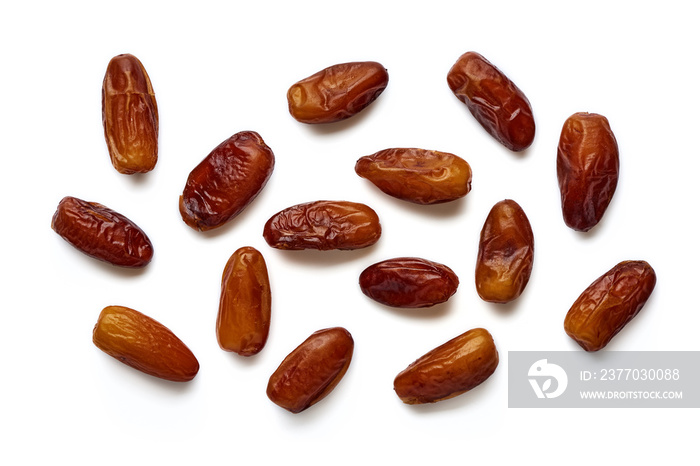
{"type": "Point", "coordinates": [588, 167]}
{"type": "Point", "coordinates": [243, 322]}
{"type": "Point", "coordinates": [449, 370]}
{"type": "Point", "coordinates": [409, 282]}
{"type": "Point", "coordinates": [102, 233]}
{"type": "Point", "coordinates": [494, 100]}
{"type": "Point", "coordinates": [310, 372]}
{"type": "Point", "coordinates": [609, 303]}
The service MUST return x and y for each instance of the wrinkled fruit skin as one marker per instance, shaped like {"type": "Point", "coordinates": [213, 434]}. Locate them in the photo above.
{"type": "Point", "coordinates": [588, 166]}
{"type": "Point", "coordinates": [323, 225]}
{"type": "Point", "coordinates": [226, 181]}
{"type": "Point", "coordinates": [409, 282]}
{"type": "Point", "coordinates": [243, 322]}
{"type": "Point", "coordinates": [449, 370]}
{"type": "Point", "coordinates": [310, 372]}
{"type": "Point", "coordinates": [417, 175]}
{"type": "Point", "coordinates": [494, 100]}
{"type": "Point", "coordinates": [506, 253]}
{"type": "Point", "coordinates": [609, 303]}
{"type": "Point", "coordinates": [102, 233]}
{"type": "Point", "coordinates": [337, 92]}
{"type": "Point", "coordinates": [130, 116]}
{"type": "Point", "coordinates": [144, 344]}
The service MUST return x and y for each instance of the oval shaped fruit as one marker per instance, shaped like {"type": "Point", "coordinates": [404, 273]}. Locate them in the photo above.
{"type": "Point", "coordinates": [494, 100]}
{"type": "Point", "coordinates": [417, 175]}
{"type": "Point", "coordinates": [245, 304]}
{"type": "Point", "coordinates": [323, 225]}
{"type": "Point", "coordinates": [310, 372]}
{"type": "Point", "coordinates": [409, 282]}
{"type": "Point", "coordinates": [449, 370]}
{"type": "Point", "coordinates": [130, 116]}
{"type": "Point", "coordinates": [588, 165]}
{"type": "Point", "coordinates": [226, 181]}
{"type": "Point", "coordinates": [609, 303]}
{"type": "Point", "coordinates": [143, 343]}
{"type": "Point", "coordinates": [506, 253]}
{"type": "Point", "coordinates": [337, 92]}
{"type": "Point", "coordinates": [102, 233]}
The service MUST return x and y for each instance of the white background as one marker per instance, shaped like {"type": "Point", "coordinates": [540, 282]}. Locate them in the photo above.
{"type": "Point", "coordinates": [223, 67]}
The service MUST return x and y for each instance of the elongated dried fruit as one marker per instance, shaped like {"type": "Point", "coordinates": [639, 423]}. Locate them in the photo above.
{"type": "Point", "coordinates": [417, 175]}
{"type": "Point", "coordinates": [609, 303]}
{"type": "Point", "coordinates": [102, 233]}
{"type": "Point", "coordinates": [588, 165]}
{"type": "Point", "coordinates": [337, 92]}
{"type": "Point", "coordinates": [310, 372]}
{"type": "Point", "coordinates": [409, 282]}
{"type": "Point", "coordinates": [449, 370]}
{"type": "Point", "coordinates": [494, 100]}
{"type": "Point", "coordinates": [243, 322]}
{"type": "Point", "coordinates": [226, 181]}
{"type": "Point", "coordinates": [143, 343]}
{"type": "Point", "coordinates": [130, 116]}
{"type": "Point", "coordinates": [323, 225]}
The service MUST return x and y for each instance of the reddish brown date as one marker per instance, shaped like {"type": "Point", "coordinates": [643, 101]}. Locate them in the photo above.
{"type": "Point", "coordinates": [226, 181]}
{"type": "Point", "coordinates": [449, 370]}
{"type": "Point", "coordinates": [337, 92]}
{"type": "Point", "coordinates": [310, 372]}
{"type": "Point", "coordinates": [494, 100]}
{"type": "Point", "coordinates": [323, 225]}
{"type": "Point", "coordinates": [102, 233]}
{"type": "Point", "coordinates": [130, 116]}
{"type": "Point", "coordinates": [245, 304]}
{"type": "Point", "coordinates": [609, 303]}
{"type": "Point", "coordinates": [588, 166]}
{"type": "Point", "coordinates": [409, 282]}
{"type": "Point", "coordinates": [506, 253]}
{"type": "Point", "coordinates": [417, 175]}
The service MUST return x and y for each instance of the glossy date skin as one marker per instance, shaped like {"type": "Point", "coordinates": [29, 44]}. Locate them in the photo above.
{"type": "Point", "coordinates": [337, 92]}
{"type": "Point", "coordinates": [323, 225]}
{"type": "Point", "coordinates": [245, 303]}
{"type": "Point", "coordinates": [409, 282]}
{"type": "Point", "coordinates": [588, 165]}
{"type": "Point", "coordinates": [102, 233]}
{"type": "Point", "coordinates": [506, 253]}
{"type": "Point", "coordinates": [310, 372]}
{"type": "Point", "coordinates": [129, 116]}
{"type": "Point", "coordinates": [449, 370]}
{"type": "Point", "coordinates": [417, 175]}
{"type": "Point", "coordinates": [226, 181]}
{"type": "Point", "coordinates": [609, 303]}
{"type": "Point", "coordinates": [494, 100]}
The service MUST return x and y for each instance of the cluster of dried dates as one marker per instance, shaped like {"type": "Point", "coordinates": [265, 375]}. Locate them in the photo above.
{"type": "Point", "coordinates": [236, 171]}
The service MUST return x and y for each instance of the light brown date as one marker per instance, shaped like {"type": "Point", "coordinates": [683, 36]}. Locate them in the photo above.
{"type": "Point", "coordinates": [494, 100]}
{"type": "Point", "coordinates": [130, 116]}
{"type": "Point", "coordinates": [609, 303]}
{"type": "Point", "coordinates": [409, 282]}
{"type": "Point", "coordinates": [337, 92]}
{"type": "Point", "coordinates": [310, 372]}
{"type": "Point", "coordinates": [588, 166]}
{"type": "Point", "coordinates": [417, 175]}
{"type": "Point", "coordinates": [143, 343]}
{"type": "Point", "coordinates": [245, 304]}
{"type": "Point", "coordinates": [102, 233]}
{"type": "Point", "coordinates": [323, 225]}
{"type": "Point", "coordinates": [449, 370]}
{"type": "Point", "coordinates": [226, 181]}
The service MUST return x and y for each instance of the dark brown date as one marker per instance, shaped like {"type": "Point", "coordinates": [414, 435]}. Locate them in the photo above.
{"type": "Point", "coordinates": [494, 100]}
{"type": "Point", "coordinates": [588, 167]}
{"type": "Point", "coordinates": [102, 233]}
{"type": "Point", "coordinates": [226, 181]}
